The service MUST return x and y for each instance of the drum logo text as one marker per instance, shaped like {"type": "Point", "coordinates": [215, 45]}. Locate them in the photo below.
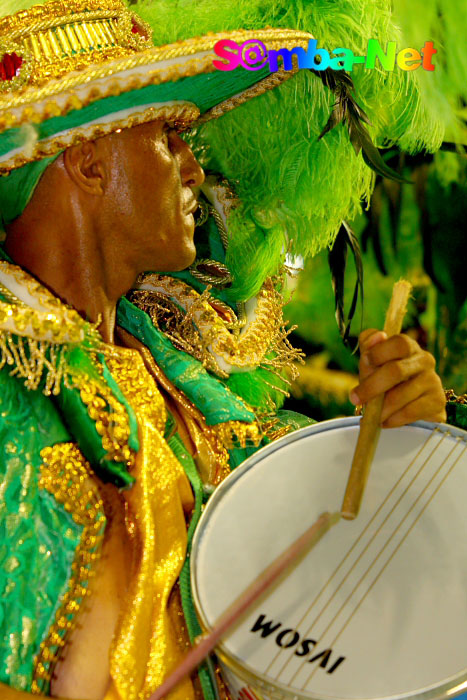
{"type": "Point", "coordinates": [287, 638]}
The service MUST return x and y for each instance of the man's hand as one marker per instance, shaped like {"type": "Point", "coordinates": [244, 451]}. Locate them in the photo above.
{"type": "Point", "coordinates": [405, 373]}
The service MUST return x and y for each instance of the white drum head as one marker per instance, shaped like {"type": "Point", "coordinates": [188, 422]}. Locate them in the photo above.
{"type": "Point", "coordinates": [378, 609]}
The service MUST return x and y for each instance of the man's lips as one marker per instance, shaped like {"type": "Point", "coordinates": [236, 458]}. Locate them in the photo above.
{"type": "Point", "coordinates": [192, 207]}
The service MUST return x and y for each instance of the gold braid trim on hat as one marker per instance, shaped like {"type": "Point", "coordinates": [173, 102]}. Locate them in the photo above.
{"type": "Point", "coordinates": [259, 88]}
{"type": "Point", "coordinates": [101, 72]}
{"type": "Point", "coordinates": [180, 115]}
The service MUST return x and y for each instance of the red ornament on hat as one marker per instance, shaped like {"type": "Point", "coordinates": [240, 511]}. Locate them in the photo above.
{"type": "Point", "coordinates": [138, 29]}
{"type": "Point", "coordinates": [10, 66]}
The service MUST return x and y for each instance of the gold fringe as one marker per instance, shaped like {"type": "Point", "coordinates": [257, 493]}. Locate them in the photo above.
{"type": "Point", "coordinates": [203, 327]}
{"type": "Point", "coordinates": [273, 430]}
{"type": "Point", "coordinates": [177, 325]}
{"type": "Point", "coordinates": [33, 360]}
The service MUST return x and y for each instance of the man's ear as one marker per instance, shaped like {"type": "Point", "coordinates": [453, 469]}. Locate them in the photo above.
{"type": "Point", "coordinates": [85, 167]}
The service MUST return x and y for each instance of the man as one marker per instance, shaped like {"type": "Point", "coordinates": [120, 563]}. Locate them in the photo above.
{"type": "Point", "coordinates": [122, 407]}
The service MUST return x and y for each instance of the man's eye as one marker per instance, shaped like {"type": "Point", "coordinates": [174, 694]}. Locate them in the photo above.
{"type": "Point", "coordinates": [166, 133]}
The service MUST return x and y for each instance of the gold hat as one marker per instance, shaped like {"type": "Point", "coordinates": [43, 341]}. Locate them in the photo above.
{"type": "Point", "coordinates": [81, 69]}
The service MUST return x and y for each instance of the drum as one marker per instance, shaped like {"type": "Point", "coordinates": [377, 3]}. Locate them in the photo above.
{"type": "Point", "coordinates": [378, 608]}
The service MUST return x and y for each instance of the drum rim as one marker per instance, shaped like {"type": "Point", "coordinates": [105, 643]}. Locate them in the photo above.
{"type": "Point", "coordinates": [452, 686]}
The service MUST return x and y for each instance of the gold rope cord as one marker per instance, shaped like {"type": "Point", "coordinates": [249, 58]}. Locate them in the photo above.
{"type": "Point", "coordinates": [268, 83]}
{"type": "Point", "coordinates": [372, 539]}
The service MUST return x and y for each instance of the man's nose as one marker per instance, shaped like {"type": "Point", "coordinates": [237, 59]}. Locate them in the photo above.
{"type": "Point", "coordinates": [191, 172]}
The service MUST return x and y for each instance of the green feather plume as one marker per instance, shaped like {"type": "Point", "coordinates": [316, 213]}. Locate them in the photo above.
{"type": "Point", "coordinates": [296, 189]}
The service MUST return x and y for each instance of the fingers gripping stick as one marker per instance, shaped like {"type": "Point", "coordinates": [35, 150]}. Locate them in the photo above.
{"type": "Point", "coordinates": [370, 424]}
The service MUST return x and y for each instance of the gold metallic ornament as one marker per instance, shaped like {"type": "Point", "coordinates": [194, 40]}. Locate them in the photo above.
{"type": "Point", "coordinates": [62, 37]}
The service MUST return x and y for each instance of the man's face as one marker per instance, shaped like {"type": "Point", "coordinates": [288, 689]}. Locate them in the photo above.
{"type": "Point", "coordinates": [151, 179]}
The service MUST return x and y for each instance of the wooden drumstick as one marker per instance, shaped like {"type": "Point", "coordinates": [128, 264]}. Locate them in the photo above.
{"type": "Point", "coordinates": [245, 600]}
{"type": "Point", "coordinates": [370, 424]}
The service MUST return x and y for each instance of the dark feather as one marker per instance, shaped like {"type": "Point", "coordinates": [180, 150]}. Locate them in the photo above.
{"type": "Point", "coordinates": [372, 158]}
{"type": "Point", "coordinates": [375, 213]}
{"type": "Point", "coordinates": [347, 111]}
{"type": "Point", "coordinates": [393, 191]}
{"type": "Point", "coordinates": [337, 258]}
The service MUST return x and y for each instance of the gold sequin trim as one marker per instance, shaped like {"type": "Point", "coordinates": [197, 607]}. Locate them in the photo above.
{"type": "Point", "coordinates": [127, 367]}
{"type": "Point", "coordinates": [235, 433]}
{"type": "Point", "coordinates": [44, 355]}
{"type": "Point", "coordinates": [180, 115]}
{"type": "Point", "coordinates": [67, 476]}
{"type": "Point", "coordinates": [49, 327]}
{"type": "Point", "coordinates": [50, 304]}
{"type": "Point", "coordinates": [110, 418]}
{"type": "Point", "coordinates": [217, 449]}
{"type": "Point", "coordinates": [35, 289]}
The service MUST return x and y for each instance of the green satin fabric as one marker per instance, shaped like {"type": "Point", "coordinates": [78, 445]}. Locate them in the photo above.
{"type": "Point", "coordinates": [215, 401]}
{"type": "Point", "coordinates": [38, 537]}
{"type": "Point", "coordinates": [17, 188]}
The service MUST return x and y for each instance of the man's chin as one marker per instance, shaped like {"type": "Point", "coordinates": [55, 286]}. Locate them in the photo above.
{"type": "Point", "coordinates": [186, 258]}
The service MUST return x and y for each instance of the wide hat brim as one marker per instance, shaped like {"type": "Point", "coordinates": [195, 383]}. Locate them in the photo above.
{"type": "Point", "coordinates": [177, 82]}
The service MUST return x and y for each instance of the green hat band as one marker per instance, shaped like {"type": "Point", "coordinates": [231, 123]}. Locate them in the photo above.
{"type": "Point", "coordinates": [17, 189]}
